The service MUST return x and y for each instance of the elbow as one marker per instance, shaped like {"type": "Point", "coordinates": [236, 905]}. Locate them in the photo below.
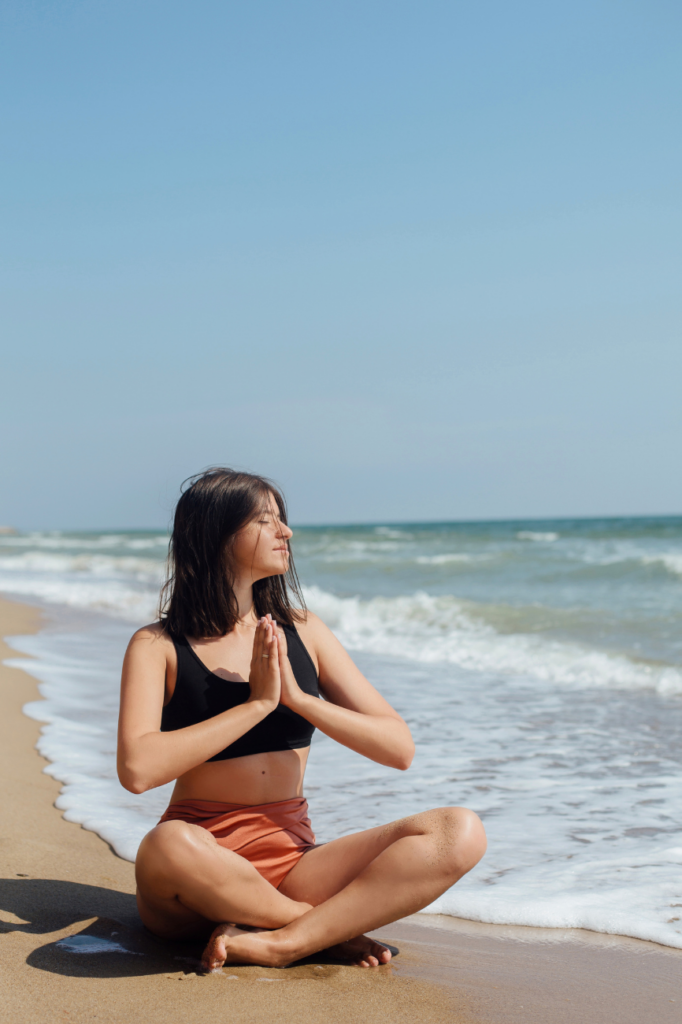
{"type": "Point", "coordinates": [404, 758]}
{"type": "Point", "coordinates": [133, 780]}
{"type": "Point", "coordinates": [134, 785]}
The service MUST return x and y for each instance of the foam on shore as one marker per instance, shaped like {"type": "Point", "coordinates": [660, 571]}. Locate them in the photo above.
{"type": "Point", "coordinates": [538, 665]}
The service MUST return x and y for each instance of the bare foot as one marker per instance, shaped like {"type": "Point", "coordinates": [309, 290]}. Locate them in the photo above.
{"type": "Point", "coordinates": [362, 951]}
{"type": "Point", "coordinates": [231, 944]}
{"type": "Point", "coordinates": [216, 952]}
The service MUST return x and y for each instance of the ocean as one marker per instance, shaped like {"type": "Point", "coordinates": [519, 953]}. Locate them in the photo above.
{"type": "Point", "coordinates": [538, 664]}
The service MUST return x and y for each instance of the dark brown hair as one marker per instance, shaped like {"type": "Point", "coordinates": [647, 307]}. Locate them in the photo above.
{"type": "Point", "coordinates": [197, 598]}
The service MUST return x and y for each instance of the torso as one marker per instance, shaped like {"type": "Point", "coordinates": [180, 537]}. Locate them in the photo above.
{"type": "Point", "coordinates": [257, 778]}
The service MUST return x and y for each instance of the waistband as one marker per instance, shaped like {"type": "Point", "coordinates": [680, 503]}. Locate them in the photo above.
{"type": "Point", "coordinates": [245, 823]}
{"type": "Point", "coordinates": [215, 808]}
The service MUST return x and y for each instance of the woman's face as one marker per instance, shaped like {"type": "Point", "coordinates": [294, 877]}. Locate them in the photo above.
{"type": "Point", "coordinates": [260, 548]}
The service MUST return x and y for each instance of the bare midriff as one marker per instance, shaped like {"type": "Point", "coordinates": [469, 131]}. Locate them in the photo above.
{"type": "Point", "coordinates": [254, 779]}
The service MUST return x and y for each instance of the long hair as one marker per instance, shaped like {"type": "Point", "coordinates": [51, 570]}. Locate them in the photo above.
{"type": "Point", "coordinates": [197, 598]}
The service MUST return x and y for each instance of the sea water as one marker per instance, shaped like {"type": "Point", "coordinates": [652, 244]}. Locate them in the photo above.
{"type": "Point", "coordinates": [538, 664]}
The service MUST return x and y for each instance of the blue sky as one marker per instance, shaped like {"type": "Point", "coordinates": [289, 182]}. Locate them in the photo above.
{"type": "Point", "coordinates": [414, 261]}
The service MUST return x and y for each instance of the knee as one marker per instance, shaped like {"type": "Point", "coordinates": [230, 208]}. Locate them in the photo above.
{"type": "Point", "coordinates": [465, 838]}
{"type": "Point", "coordinates": [169, 845]}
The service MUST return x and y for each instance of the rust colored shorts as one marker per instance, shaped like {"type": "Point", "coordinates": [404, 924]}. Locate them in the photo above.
{"type": "Point", "coordinates": [273, 837]}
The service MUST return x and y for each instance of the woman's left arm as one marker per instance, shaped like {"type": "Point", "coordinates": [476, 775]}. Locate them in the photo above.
{"type": "Point", "coordinates": [353, 712]}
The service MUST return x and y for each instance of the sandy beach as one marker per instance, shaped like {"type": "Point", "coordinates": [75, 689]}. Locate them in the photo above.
{"type": "Point", "coordinates": [60, 881]}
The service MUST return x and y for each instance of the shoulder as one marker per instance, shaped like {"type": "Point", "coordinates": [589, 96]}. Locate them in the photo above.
{"type": "Point", "coordinates": [317, 636]}
{"type": "Point", "coordinates": [152, 641]}
{"type": "Point", "coordinates": [149, 662]}
{"type": "Point", "coordinates": [311, 627]}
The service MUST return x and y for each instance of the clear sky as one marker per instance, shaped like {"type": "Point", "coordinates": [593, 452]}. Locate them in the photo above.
{"type": "Point", "coordinates": [415, 260]}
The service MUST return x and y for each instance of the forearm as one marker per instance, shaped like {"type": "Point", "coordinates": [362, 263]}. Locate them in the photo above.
{"type": "Point", "coordinates": [381, 738]}
{"type": "Point", "coordinates": [156, 758]}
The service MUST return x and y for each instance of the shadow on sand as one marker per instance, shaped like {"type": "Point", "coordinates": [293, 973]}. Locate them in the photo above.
{"type": "Point", "coordinates": [115, 944]}
{"type": "Point", "coordinates": [125, 948]}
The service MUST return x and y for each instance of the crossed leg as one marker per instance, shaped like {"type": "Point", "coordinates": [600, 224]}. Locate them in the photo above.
{"type": "Point", "coordinates": [186, 882]}
{"type": "Point", "coordinates": [359, 883]}
{"type": "Point", "coordinates": [336, 892]}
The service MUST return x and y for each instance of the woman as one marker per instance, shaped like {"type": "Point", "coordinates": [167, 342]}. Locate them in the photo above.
{"type": "Point", "coordinates": [222, 695]}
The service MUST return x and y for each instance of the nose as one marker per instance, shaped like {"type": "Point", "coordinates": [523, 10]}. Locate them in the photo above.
{"type": "Point", "coordinates": [285, 531]}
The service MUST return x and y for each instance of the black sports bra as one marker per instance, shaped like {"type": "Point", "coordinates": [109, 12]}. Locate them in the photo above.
{"type": "Point", "coordinates": [200, 694]}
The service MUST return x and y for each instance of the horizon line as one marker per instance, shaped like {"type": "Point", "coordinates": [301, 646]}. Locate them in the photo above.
{"type": "Point", "coordinates": [17, 531]}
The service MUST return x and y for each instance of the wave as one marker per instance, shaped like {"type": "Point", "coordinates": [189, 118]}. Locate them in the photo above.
{"type": "Point", "coordinates": [420, 627]}
{"type": "Point", "coordinates": [126, 588]}
{"type": "Point", "coordinates": [536, 790]}
{"type": "Point", "coordinates": [672, 562]}
{"type": "Point", "coordinates": [391, 531]}
{"type": "Point", "coordinates": [447, 558]}
{"type": "Point", "coordinates": [120, 575]}
{"type": "Point", "coordinates": [64, 542]}
{"type": "Point", "coordinates": [583, 896]}
{"type": "Point", "coordinates": [623, 553]}
{"type": "Point", "coordinates": [123, 566]}
{"type": "Point", "coordinates": [536, 536]}
{"type": "Point", "coordinates": [443, 629]}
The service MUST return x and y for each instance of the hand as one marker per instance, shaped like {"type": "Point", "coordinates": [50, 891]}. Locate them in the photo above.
{"type": "Point", "coordinates": [292, 694]}
{"type": "Point", "coordinates": [264, 675]}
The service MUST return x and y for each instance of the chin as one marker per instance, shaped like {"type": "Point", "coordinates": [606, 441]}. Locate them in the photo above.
{"type": "Point", "coordinates": [275, 569]}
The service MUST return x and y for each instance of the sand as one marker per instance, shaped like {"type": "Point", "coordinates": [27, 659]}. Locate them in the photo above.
{"type": "Point", "coordinates": [59, 882]}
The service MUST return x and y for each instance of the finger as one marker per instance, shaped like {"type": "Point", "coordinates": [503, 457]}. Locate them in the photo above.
{"type": "Point", "coordinates": [270, 647]}
{"type": "Point", "coordinates": [273, 663]}
{"type": "Point", "coordinates": [258, 642]}
{"type": "Point", "coordinates": [264, 643]}
{"type": "Point", "coordinates": [281, 637]}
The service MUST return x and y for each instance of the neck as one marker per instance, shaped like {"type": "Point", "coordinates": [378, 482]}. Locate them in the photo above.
{"type": "Point", "coordinates": [243, 591]}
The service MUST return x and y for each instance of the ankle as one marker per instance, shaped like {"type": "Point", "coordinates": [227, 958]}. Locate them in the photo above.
{"type": "Point", "coordinates": [279, 951]}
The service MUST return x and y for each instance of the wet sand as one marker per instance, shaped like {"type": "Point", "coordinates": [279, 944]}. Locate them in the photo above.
{"type": "Point", "coordinates": [60, 882]}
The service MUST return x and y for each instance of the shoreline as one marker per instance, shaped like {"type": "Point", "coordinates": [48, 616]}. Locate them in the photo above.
{"type": "Point", "coordinates": [60, 880]}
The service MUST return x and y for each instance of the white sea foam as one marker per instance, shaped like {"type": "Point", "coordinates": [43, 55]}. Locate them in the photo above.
{"type": "Point", "coordinates": [672, 562]}
{"type": "Point", "coordinates": [124, 585]}
{"type": "Point", "coordinates": [609, 553]}
{"type": "Point", "coordinates": [580, 808]}
{"type": "Point", "coordinates": [79, 682]}
{"type": "Point", "coordinates": [569, 753]}
{"type": "Point", "coordinates": [438, 629]}
{"type": "Point", "coordinates": [445, 559]}
{"type": "Point", "coordinates": [614, 898]}
{"type": "Point", "coordinates": [361, 551]}
{"type": "Point", "coordinates": [124, 567]}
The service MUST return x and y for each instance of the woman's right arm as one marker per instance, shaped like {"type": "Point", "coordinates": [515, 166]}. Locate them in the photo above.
{"type": "Point", "coordinates": [148, 757]}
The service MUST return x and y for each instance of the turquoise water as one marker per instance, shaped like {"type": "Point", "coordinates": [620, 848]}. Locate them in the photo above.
{"type": "Point", "coordinates": [612, 583]}
{"type": "Point", "coordinates": [539, 665]}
